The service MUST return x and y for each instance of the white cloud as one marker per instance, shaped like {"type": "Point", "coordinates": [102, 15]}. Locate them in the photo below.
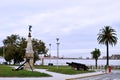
{"type": "Point", "coordinates": [75, 22]}
{"type": "Point", "coordinates": [65, 20]}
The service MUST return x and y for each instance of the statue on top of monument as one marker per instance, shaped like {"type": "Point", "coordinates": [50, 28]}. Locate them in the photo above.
{"type": "Point", "coordinates": [29, 35]}
{"type": "Point", "coordinates": [30, 28]}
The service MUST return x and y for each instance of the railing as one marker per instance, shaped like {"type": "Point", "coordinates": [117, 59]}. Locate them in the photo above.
{"type": "Point", "coordinates": [102, 67]}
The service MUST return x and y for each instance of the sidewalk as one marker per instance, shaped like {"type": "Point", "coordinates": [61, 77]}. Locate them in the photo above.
{"type": "Point", "coordinates": [55, 76]}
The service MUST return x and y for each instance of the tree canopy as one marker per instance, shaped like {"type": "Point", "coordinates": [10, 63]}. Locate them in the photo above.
{"type": "Point", "coordinates": [15, 48]}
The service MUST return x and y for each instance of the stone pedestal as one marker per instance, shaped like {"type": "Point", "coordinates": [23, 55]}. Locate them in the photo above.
{"type": "Point", "coordinates": [29, 65]}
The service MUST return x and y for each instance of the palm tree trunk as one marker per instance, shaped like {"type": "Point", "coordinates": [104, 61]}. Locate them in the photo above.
{"type": "Point", "coordinates": [107, 54]}
{"type": "Point", "coordinates": [96, 63]}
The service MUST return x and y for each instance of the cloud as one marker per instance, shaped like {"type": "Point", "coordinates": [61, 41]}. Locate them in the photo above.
{"type": "Point", "coordinates": [64, 21]}
{"type": "Point", "coordinates": [76, 23]}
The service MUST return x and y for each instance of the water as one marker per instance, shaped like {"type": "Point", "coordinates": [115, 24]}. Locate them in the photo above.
{"type": "Point", "coordinates": [63, 61]}
{"type": "Point", "coordinates": [87, 62]}
{"type": "Point", "coordinates": [2, 60]}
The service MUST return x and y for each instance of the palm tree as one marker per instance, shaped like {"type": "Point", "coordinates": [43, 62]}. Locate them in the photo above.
{"type": "Point", "coordinates": [95, 54]}
{"type": "Point", "coordinates": [107, 36]}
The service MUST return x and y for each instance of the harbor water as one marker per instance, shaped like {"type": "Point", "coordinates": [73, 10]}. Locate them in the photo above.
{"type": "Point", "coordinates": [83, 61]}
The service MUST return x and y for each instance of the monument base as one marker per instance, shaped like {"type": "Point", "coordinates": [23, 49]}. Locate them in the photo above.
{"type": "Point", "coordinates": [29, 65]}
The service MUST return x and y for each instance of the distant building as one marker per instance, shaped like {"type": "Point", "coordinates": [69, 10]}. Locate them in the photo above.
{"type": "Point", "coordinates": [80, 58]}
{"type": "Point", "coordinates": [87, 58]}
{"type": "Point", "coordinates": [115, 56]}
{"type": "Point", "coordinates": [104, 57]}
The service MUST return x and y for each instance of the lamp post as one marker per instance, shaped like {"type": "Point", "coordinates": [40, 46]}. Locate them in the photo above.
{"type": "Point", "coordinates": [50, 52]}
{"type": "Point", "coordinates": [57, 50]}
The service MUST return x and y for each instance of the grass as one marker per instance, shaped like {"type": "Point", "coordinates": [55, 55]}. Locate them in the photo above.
{"type": "Point", "coordinates": [63, 69]}
{"type": "Point", "coordinates": [6, 71]}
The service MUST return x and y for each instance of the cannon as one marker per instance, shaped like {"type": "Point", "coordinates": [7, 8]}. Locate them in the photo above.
{"type": "Point", "coordinates": [77, 66]}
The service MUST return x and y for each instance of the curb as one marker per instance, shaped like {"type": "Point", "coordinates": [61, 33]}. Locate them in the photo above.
{"type": "Point", "coordinates": [85, 76]}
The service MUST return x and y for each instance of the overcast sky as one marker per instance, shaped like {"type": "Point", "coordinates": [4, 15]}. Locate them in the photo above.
{"type": "Point", "coordinates": [75, 22]}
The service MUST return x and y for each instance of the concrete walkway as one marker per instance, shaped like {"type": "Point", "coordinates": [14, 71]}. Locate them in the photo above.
{"type": "Point", "coordinates": [55, 76]}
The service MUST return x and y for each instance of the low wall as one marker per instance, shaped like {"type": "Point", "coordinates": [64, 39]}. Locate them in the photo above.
{"type": "Point", "coordinates": [103, 67]}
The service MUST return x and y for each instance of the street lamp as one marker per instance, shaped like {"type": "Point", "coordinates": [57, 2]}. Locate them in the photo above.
{"type": "Point", "coordinates": [57, 50]}
{"type": "Point", "coordinates": [50, 52]}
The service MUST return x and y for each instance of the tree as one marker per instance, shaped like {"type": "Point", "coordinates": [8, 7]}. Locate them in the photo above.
{"type": "Point", "coordinates": [107, 36]}
{"type": "Point", "coordinates": [15, 48]}
{"type": "Point", "coordinates": [1, 51]}
{"type": "Point", "coordinates": [39, 48]}
{"type": "Point", "coordinates": [22, 47]}
{"type": "Point", "coordinates": [95, 55]}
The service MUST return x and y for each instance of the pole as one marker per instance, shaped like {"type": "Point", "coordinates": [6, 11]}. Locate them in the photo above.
{"type": "Point", "coordinates": [57, 51]}
{"type": "Point", "coordinates": [50, 52]}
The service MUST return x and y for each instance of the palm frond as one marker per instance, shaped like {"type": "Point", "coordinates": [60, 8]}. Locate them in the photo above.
{"type": "Point", "coordinates": [107, 35]}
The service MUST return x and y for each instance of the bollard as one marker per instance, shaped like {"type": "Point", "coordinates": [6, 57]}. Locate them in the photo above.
{"type": "Point", "coordinates": [109, 69]}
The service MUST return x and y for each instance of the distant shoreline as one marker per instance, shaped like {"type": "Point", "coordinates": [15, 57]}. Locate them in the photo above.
{"type": "Point", "coordinates": [71, 58]}
{"type": "Point", "coordinates": [78, 58]}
